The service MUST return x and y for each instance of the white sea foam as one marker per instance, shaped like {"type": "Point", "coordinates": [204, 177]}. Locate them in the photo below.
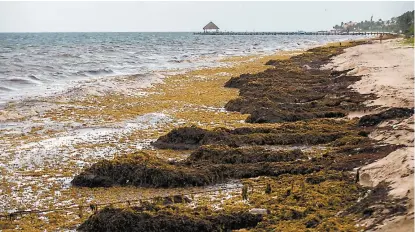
{"type": "Point", "coordinates": [34, 65]}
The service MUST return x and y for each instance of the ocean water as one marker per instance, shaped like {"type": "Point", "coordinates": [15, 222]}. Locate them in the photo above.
{"type": "Point", "coordinates": [34, 64]}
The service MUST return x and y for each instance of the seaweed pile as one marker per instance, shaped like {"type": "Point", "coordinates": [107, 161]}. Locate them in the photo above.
{"type": "Point", "coordinates": [223, 154]}
{"type": "Point", "coordinates": [306, 188]}
{"type": "Point", "coordinates": [137, 219]}
{"type": "Point", "coordinates": [392, 113]}
{"type": "Point", "coordinates": [311, 132]}
{"type": "Point", "coordinates": [210, 164]}
{"type": "Point", "coordinates": [296, 89]}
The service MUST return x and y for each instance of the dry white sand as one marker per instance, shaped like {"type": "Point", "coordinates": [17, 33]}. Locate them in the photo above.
{"type": "Point", "coordinates": [387, 70]}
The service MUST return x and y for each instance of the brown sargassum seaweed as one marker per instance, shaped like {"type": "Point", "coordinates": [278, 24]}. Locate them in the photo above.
{"type": "Point", "coordinates": [306, 104]}
{"type": "Point", "coordinates": [227, 156]}
{"type": "Point", "coordinates": [137, 219]}
{"type": "Point", "coordinates": [296, 89]}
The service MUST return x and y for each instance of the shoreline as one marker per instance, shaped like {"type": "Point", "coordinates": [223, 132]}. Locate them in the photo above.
{"type": "Point", "coordinates": [201, 116]}
{"type": "Point", "coordinates": [76, 82]}
{"type": "Point", "coordinates": [53, 118]}
{"type": "Point", "coordinates": [173, 141]}
{"type": "Point", "coordinates": [396, 168]}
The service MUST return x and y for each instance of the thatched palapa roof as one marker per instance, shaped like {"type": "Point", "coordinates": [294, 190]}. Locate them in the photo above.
{"type": "Point", "coordinates": [211, 26]}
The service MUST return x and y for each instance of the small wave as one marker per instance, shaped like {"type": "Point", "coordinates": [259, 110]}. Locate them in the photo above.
{"type": "Point", "coordinates": [80, 74]}
{"type": "Point", "coordinates": [209, 53]}
{"type": "Point", "coordinates": [49, 67]}
{"type": "Point", "coordinates": [94, 72]}
{"type": "Point", "coordinates": [179, 61]}
{"type": "Point", "coordinates": [33, 77]}
{"type": "Point", "coordinates": [175, 61]}
{"type": "Point", "coordinates": [21, 81]}
{"type": "Point", "coordinates": [5, 89]}
{"type": "Point", "coordinates": [68, 55]}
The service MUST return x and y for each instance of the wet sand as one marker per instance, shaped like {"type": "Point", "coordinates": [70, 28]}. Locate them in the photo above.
{"type": "Point", "coordinates": [387, 70]}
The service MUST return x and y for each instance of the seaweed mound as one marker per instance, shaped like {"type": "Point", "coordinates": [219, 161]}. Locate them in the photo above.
{"type": "Point", "coordinates": [112, 220]}
{"type": "Point", "coordinates": [210, 165]}
{"type": "Point", "coordinates": [392, 113]}
{"type": "Point", "coordinates": [137, 172]}
{"type": "Point", "coordinates": [182, 138]}
{"type": "Point", "coordinates": [224, 154]}
{"type": "Point", "coordinates": [290, 92]}
{"type": "Point", "coordinates": [193, 137]}
{"type": "Point", "coordinates": [304, 190]}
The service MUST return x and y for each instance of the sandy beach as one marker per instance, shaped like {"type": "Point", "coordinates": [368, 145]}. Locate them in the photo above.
{"type": "Point", "coordinates": [387, 71]}
{"type": "Point", "coordinates": [49, 141]}
{"type": "Point", "coordinates": [207, 116]}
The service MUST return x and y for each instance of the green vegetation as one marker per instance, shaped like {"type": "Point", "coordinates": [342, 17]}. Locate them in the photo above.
{"type": "Point", "coordinates": [405, 23]}
{"type": "Point", "coordinates": [402, 24]}
{"type": "Point", "coordinates": [409, 41]}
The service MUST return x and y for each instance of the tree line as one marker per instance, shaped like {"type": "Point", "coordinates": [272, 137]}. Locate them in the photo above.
{"type": "Point", "coordinates": [402, 24]}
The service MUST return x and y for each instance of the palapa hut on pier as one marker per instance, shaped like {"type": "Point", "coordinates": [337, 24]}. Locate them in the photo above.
{"type": "Point", "coordinates": [210, 26]}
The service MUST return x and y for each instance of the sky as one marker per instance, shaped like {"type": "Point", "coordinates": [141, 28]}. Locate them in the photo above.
{"type": "Point", "coordinates": [189, 16]}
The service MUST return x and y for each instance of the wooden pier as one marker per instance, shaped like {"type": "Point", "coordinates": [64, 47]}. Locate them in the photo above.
{"type": "Point", "coordinates": [291, 33]}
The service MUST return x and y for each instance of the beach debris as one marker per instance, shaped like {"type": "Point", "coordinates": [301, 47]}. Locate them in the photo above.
{"type": "Point", "coordinates": [245, 192]}
{"type": "Point", "coordinates": [268, 189]}
{"type": "Point", "coordinates": [258, 211]}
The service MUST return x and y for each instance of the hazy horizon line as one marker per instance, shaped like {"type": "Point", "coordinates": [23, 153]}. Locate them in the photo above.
{"type": "Point", "coordinates": [5, 32]}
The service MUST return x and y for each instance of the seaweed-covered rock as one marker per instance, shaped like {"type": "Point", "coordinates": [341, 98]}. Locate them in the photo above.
{"type": "Point", "coordinates": [392, 113]}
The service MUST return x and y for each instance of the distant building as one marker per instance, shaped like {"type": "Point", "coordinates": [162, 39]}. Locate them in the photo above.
{"type": "Point", "coordinates": [210, 26]}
